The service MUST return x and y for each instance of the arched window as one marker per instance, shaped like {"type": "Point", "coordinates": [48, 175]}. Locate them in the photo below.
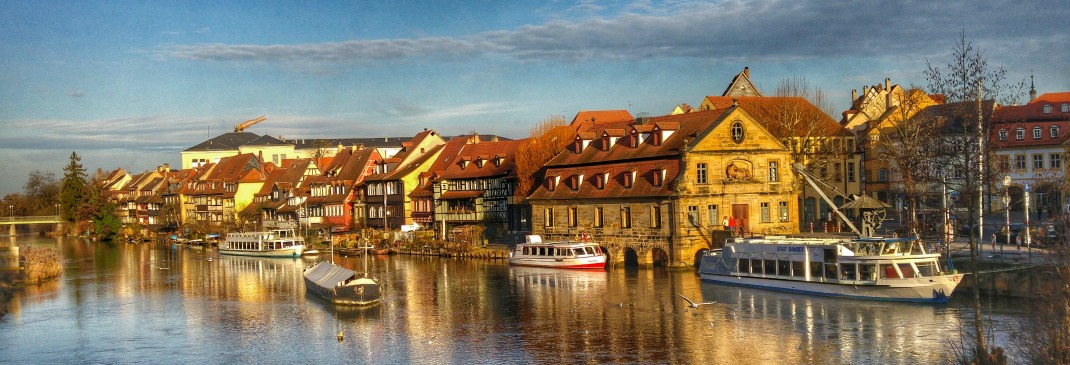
{"type": "Point", "coordinates": [737, 132]}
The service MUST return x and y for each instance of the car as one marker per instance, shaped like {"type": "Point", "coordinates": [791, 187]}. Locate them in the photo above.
{"type": "Point", "coordinates": [1050, 233]}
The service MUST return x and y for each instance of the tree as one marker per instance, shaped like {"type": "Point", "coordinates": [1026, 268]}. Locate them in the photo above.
{"type": "Point", "coordinates": [72, 190]}
{"type": "Point", "coordinates": [41, 190]}
{"type": "Point", "coordinates": [903, 140]}
{"type": "Point", "coordinates": [547, 139]}
{"type": "Point", "coordinates": [965, 82]}
{"type": "Point", "coordinates": [100, 210]}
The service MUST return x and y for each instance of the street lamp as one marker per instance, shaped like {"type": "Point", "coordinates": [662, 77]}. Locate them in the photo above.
{"type": "Point", "coordinates": [1007, 209]}
{"type": "Point", "coordinates": [11, 212]}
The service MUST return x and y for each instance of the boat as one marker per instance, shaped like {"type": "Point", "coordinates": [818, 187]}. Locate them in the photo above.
{"type": "Point", "coordinates": [560, 254]}
{"type": "Point", "coordinates": [311, 252]}
{"type": "Point", "coordinates": [342, 286]}
{"type": "Point", "coordinates": [274, 243]}
{"type": "Point", "coordinates": [893, 269]}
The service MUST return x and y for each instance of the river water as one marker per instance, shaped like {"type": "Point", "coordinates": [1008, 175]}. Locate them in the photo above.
{"type": "Point", "coordinates": [151, 303]}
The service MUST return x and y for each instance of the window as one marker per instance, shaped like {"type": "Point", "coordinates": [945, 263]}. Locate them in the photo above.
{"type": "Point", "coordinates": [700, 174]}
{"type": "Point", "coordinates": [598, 217]}
{"type": "Point", "coordinates": [711, 215]}
{"type": "Point", "coordinates": [1038, 162]}
{"type": "Point", "coordinates": [600, 181]}
{"type": "Point", "coordinates": [548, 216]}
{"type": "Point", "coordinates": [628, 178]}
{"type": "Point", "coordinates": [1036, 132]}
{"type": "Point", "coordinates": [837, 172]}
{"type": "Point", "coordinates": [851, 172]}
{"type": "Point", "coordinates": [766, 217]}
{"type": "Point", "coordinates": [737, 132]}
{"type": "Point", "coordinates": [774, 175]}
{"type": "Point", "coordinates": [1004, 162]}
{"type": "Point", "coordinates": [1019, 134]}
{"type": "Point", "coordinates": [655, 216]}
{"type": "Point", "coordinates": [1019, 162]}
{"type": "Point", "coordinates": [1047, 109]}
{"type": "Point", "coordinates": [1054, 131]}
{"type": "Point", "coordinates": [656, 177]}
{"type": "Point", "coordinates": [882, 175]}
{"type": "Point", "coordinates": [625, 217]}
{"type": "Point", "coordinates": [571, 216]}
{"type": "Point", "coordinates": [1065, 108]}
{"type": "Point", "coordinates": [692, 215]}
{"type": "Point", "coordinates": [1002, 134]}
{"type": "Point", "coordinates": [783, 211]}
{"type": "Point", "coordinates": [1055, 161]}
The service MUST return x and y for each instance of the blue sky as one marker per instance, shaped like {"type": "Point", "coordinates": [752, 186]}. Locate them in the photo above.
{"type": "Point", "coordinates": [131, 84]}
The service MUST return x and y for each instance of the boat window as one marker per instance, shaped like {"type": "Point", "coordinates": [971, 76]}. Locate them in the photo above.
{"type": "Point", "coordinates": [907, 270]}
{"type": "Point", "coordinates": [783, 268]}
{"type": "Point", "coordinates": [832, 271]}
{"type": "Point", "coordinates": [743, 266]}
{"type": "Point", "coordinates": [815, 270]}
{"type": "Point", "coordinates": [756, 266]}
{"type": "Point", "coordinates": [887, 271]}
{"type": "Point", "coordinates": [577, 251]}
{"type": "Point", "coordinates": [926, 269]}
{"type": "Point", "coordinates": [849, 272]}
{"type": "Point", "coordinates": [797, 268]}
{"type": "Point", "coordinates": [770, 267]}
{"type": "Point", "coordinates": [867, 272]}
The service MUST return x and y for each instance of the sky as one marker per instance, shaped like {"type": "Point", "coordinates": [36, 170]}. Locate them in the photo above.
{"type": "Point", "coordinates": [131, 84]}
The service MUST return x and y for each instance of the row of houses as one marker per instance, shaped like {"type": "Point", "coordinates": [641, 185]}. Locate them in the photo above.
{"type": "Point", "coordinates": [653, 190]}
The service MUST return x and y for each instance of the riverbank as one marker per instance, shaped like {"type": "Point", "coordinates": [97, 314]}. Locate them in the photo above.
{"type": "Point", "coordinates": [38, 265]}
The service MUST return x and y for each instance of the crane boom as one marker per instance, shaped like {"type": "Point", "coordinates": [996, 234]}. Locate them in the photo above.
{"type": "Point", "coordinates": [799, 168]}
{"type": "Point", "coordinates": [249, 123]}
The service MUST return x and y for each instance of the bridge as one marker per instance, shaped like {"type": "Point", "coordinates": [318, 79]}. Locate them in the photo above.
{"type": "Point", "coordinates": [40, 219]}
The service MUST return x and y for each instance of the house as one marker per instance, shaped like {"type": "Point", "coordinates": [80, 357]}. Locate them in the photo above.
{"type": "Point", "coordinates": [816, 140]}
{"type": "Point", "coordinates": [333, 197]}
{"type": "Point", "coordinates": [1030, 143]}
{"type": "Point", "coordinates": [471, 184]}
{"type": "Point", "coordinates": [654, 191]}
{"type": "Point", "coordinates": [387, 190]}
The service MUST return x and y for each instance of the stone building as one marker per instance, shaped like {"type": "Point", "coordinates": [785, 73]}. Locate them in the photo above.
{"type": "Point", "coordinates": [654, 191]}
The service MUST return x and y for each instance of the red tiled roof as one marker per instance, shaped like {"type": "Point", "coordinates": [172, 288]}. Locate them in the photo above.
{"type": "Point", "coordinates": [769, 112]}
{"type": "Point", "coordinates": [587, 119]}
{"type": "Point", "coordinates": [1034, 111]}
{"type": "Point", "coordinates": [643, 186]}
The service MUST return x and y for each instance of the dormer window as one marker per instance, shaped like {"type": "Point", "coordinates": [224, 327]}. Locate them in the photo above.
{"type": "Point", "coordinates": [1036, 132]}
{"type": "Point", "coordinates": [551, 182]}
{"type": "Point", "coordinates": [464, 163]}
{"type": "Point", "coordinates": [1019, 134]}
{"type": "Point", "coordinates": [629, 178]}
{"type": "Point", "coordinates": [1054, 131]}
{"type": "Point", "coordinates": [600, 181]}
{"type": "Point", "coordinates": [1002, 134]}
{"type": "Point", "coordinates": [656, 138]}
{"type": "Point", "coordinates": [1047, 109]}
{"type": "Point", "coordinates": [1065, 108]}
{"type": "Point", "coordinates": [479, 162]}
{"type": "Point", "coordinates": [658, 177]}
{"type": "Point", "coordinates": [633, 140]}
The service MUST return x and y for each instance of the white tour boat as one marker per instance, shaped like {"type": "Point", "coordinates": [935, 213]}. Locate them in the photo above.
{"type": "Point", "coordinates": [274, 243]}
{"type": "Point", "coordinates": [895, 269]}
{"type": "Point", "coordinates": [564, 254]}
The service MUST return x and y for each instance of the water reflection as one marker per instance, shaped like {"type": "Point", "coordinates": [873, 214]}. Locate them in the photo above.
{"type": "Point", "coordinates": [131, 303]}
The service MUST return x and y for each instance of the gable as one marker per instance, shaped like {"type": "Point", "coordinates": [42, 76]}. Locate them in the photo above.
{"type": "Point", "coordinates": [720, 137]}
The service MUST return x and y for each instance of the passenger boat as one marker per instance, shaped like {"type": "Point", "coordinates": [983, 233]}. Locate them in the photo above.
{"type": "Point", "coordinates": [563, 254]}
{"type": "Point", "coordinates": [897, 269]}
{"type": "Point", "coordinates": [274, 243]}
{"type": "Point", "coordinates": [342, 286]}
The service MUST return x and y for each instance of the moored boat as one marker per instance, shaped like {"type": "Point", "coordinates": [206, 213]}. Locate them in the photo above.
{"type": "Point", "coordinates": [561, 254]}
{"type": "Point", "coordinates": [896, 269]}
{"type": "Point", "coordinates": [342, 286]}
{"type": "Point", "coordinates": [274, 243]}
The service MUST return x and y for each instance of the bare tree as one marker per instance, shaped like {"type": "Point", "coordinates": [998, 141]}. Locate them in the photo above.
{"type": "Point", "coordinates": [547, 139]}
{"type": "Point", "coordinates": [903, 141]}
{"type": "Point", "coordinates": [966, 82]}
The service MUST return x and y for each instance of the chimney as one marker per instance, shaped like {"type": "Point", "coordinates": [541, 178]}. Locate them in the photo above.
{"type": "Point", "coordinates": [887, 83]}
{"type": "Point", "coordinates": [746, 71]}
{"type": "Point", "coordinates": [865, 90]}
{"type": "Point", "coordinates": [854, 95]}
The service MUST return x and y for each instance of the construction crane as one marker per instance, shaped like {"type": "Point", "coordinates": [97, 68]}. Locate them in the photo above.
{"type": "Point", "coordinates": [813, 181]}
{"type": "Point", "coordinates": [249, 123]}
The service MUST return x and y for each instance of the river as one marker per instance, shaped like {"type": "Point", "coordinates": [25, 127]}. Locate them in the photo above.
{"type": "Point", "coordinates": [151, 303]}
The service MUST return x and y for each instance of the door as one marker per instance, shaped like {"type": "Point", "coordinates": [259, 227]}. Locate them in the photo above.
{"type": "Point", "coordinates": [742, 214]}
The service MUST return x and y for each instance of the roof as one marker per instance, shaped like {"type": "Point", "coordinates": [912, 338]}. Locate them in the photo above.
{"type": "Point", "coordinates": [588, 119]}
{"type": "Point", "coordinates": [772, 111]}
{"type": "Point", "coordinates": [225, 141]}
{"type": "Point", "coordinates": [486, 159]}
{"type": "Point", "coordinates": [1034, 110]}
{"type": "Point", "coordinates": [956, 117]}
{"type": "Point", "coordinates": [266, 140]}
{"type": "Point", "coordinates": [742, 85]}
{"type": "Point", "coordinates": [689, 126]}
{"type": "Point", "coordinates": [328, 275]}
{"type": "Point", "coordinates": [614, 187]}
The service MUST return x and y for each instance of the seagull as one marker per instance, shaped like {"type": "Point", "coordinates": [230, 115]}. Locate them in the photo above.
{"type": "Point", "coordinates": [691, 303]}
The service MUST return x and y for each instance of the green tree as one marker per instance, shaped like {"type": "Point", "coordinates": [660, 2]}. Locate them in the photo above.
{"type": "Point", "coordinates": [101, 211]}
{"type": "Point", "coordinates": [72, 190]}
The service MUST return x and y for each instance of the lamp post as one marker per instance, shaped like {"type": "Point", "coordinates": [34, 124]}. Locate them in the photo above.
{"type": "Point", "coordinates": [1007, 209]}
{"type": "Point", "coordinates": [11, 212]}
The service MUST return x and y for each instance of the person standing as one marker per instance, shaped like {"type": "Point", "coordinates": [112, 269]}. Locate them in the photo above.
{"type": "Point", "coordinates": [724, 222]}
